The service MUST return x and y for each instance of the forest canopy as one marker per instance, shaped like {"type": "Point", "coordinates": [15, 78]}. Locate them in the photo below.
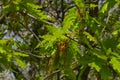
{"type": "Point", "coordinates": [59, 40]}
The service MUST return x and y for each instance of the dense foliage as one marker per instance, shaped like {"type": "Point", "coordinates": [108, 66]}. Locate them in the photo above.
{"type": "Point", "coordinates": [60, 39]}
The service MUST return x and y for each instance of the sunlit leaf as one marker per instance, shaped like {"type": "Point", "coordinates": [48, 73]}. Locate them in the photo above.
{"type": "Point", "coordinates": [79, 3]}
{"type": "Point", "coordinates": [90, 37]}
{"type": "Point", "coordinates": [20, 54]}
{"type": "Point", "coordinates": [20, 63]}
{"type": "Point", "coordinates": [69, 19]}
{"type": "Point", "coordinates": [105, 7]}
{"type": "Point", "coordinates": [94, 65]}
{"type": "Point", "coordinates": [115, 63]}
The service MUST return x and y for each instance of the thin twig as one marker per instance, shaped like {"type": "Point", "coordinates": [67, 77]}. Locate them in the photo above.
{"type": "Point", "coordinates": [46, 22]}
{"type": "Point", "coordinates": [32, 33]}
{"type": "Point", "coordinates": [30, 54]}
{"type": "Point", "coordinates": [68, 36]}
{"type": "Point", "coordinates": [54, 72]}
